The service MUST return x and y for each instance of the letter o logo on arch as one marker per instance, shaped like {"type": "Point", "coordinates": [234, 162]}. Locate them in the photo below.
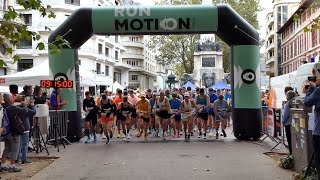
{"type": "Point", "coordinates": [248, 76]}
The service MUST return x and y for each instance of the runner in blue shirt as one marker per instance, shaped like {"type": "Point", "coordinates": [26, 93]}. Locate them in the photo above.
{"type": "Point", "coordinates": [227, 95]}
{"type": "Point", "coordinates": [176, 114]}
{"type": "Point", "coordinates": [213, 97]}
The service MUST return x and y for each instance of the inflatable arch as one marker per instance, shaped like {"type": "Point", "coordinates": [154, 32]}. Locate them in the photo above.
{"type": "Point", "coordinates": [150, 20]}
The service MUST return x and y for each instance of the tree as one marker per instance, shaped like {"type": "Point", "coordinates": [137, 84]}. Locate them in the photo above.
{"type": "Point", "coordinates": [13, 29]}
{"type": "Point", "coordinates": [179, 49]}
{"type": "Point", "coordinates": [176, 49]}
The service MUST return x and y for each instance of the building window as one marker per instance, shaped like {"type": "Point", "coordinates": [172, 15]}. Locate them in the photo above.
{"type": "Point", "coordinates": [73, 2]}
{"type": "Point", "coordinates": [107, 71]}
{"type": "Point", "coordinates": [27, 19]}
{"type": "Point", "coordinates": [314, 37]}
{"type": "Point", "coordinates": [25, 64]}
{"type": "Point", "coordinates": [134, 78]}
{"type": "Point", "coordinates": [98, 68]}
{"type": "Point", "coordinates": [116, 55]}
{"type": "Point", "coordinates": [3, 5]}
{"type": "Point", "coordinates": [25, 44]}
{"type": "Point", "coordinates": [134, 39]}
{"type": "Point", "coordinates": [79, 61]}
{"type": "Point", "coordinates": [106, 51]}
{"type": "Point", "coordinates": [99, 48]}
{"type": "Point", "coordinates": [3, 71]}
{"type": "Point", "coordinates": [116, 38]}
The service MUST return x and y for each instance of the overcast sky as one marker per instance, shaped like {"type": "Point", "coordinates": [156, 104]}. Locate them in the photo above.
{"type": "Point", "coordinates": [266, 4]}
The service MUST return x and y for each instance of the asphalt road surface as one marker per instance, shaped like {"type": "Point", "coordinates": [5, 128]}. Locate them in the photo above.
{"type": "Point", "coordinates": [223, 159]}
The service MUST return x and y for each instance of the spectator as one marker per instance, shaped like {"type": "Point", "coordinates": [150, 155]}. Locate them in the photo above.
{"type": "Point", "coordinates": [55, 100]}
{"type": "Point", "coordinates": [13, 90]}
{"type": "Point", "coordinates": [286, 121]}
{"type": "Point", "coordinates": [313, 99]}
{"type": "Point", "coordinates": [27, 90]}
{"type": "Point", "coordinates": [25, 137]}
{"type": "Point", "coordinates": [39, 96]}
{"type": "Point", "coordinates": [11, 140]}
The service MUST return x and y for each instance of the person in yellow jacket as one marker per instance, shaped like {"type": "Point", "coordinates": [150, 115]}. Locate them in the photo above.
{"type": "Point", "coordinates": [143, 111]}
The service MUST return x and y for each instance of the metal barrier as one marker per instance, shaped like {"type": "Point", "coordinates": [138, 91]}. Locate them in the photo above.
{"type": "Point", "coordinates": [272, 127]}
{"type": "Point", "coordinates": [58, 120]}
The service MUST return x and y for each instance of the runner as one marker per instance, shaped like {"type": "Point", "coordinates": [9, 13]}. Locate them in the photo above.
{"type": "Point", "coordinates": [203, 103]}
{"type": "Point", "coordinates": [143, 109]}
{"type": "Point", "coordinates": [89, 106]}
{"type": "Point", "coordinates": [187, 117]}
{"type": "Point", "coordinates": [176, 117]}
{"type": "Point", "coordinates": [213, 97]}
{"type": "Point", "coordinates": [133, 99]}
{"type": "Point", "coordinates": [162, 114]}
{"type": "Point", "coordinates": [149, 94]}
{"type": "Point", "coordinates": [125, 109]}
{"type": "Point", "coordinates": [108, 112]}
{"type": "Point", "coordinates": [154, 125]}
{"type": "Point", "coordinates": [117, 100]}
{"type": "Point", "coordinates": [220, 108]}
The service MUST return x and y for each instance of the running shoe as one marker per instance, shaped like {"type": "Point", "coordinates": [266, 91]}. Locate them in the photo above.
{"type": "Point", "coordinates": [123, 136]}
{"type": "Point", "coordinates": [200, 134]}
{"type": "Point", "coordinates": [164, 137]}
{"type": "Point", "coordinates": [174, 134]}
{"type": "Point", "coordinates": [204, 135]}
{"type": "Point", "coordinates": [111, 134]}
{"type": "Point", "coordinates": [95, 137]}
{"type": "Point", "coordinates": [119, 135]}
{"type": "Point", "coordinates": [188, 137]}
{"type": "Point", "coordinates": [224, 133]}
{"type": "Point", "coordinates": [26, 162]}
{"type": "Point", "coordinates": [108, 141]}
{"type": "Point", "coordinates": [14, 169]}
{"type": "Point", "coordinates": [128, 135]}
{"type": "Point", "coordinates": [217, 135]}
{"type": "Point", "coordinates": [124, 139]}
{"type": "Point", "coordinates": [88, 139]}
{"type": "Point", "coordinates": [104, 136]}
{"type": "Point", "coordinates": [139, 134]}
{"type": "Point", "coordinates": [191, 133]}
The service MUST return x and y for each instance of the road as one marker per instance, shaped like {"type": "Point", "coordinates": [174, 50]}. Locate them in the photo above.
{"type": "Point", "coordinates": [172, 160]}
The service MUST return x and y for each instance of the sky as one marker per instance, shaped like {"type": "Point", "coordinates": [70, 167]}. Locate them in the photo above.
{"type": "Point", "coordinates": [266, 4]}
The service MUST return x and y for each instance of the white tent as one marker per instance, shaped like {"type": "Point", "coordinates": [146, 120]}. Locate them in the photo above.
{"type": "Point", "coordinates": [33, 76]}
{"type": "Point", "coordinates": [114, 87]}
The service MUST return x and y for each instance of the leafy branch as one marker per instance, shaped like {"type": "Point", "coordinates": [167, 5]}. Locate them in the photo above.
{"type": "Point", "coordinates": [13, 30]}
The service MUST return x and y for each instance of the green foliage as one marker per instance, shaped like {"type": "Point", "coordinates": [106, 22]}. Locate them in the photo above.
{"type": "Point", "coordinates": [13, 30]}
{"type": "Point", "coordinates": [179, 49]}
{"type": "Point", "coordinates": [287, 163]}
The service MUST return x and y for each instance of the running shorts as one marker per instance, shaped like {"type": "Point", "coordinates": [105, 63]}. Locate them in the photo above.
{"type": "Point", "coordinates": [163, 114]}
{"type": "Point", "coordinates": [203, 116]}
{"type": "Point", "coordinates": [145, 119]}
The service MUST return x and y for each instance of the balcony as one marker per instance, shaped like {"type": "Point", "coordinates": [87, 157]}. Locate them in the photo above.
{"type": "Point", "coordinates": [270, 34]}
{"type": "Point", "coordinates": [119, 65]}
{"type": "Point", "coordinates": [270, 47]}
{"type": "Point", "coordinates": [270, 60]}
{"type": "Point", "coordinates": [270, 21]}
{"type": "Point", "coordinates": [132, 56]}
{"type": "Point", "coordinates": [133, 44]}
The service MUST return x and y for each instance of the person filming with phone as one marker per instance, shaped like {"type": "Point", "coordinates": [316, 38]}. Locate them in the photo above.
{"type": "Point", "coordinates": [313, 99]}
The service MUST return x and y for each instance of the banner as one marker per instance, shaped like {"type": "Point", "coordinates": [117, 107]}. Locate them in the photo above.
{"type": "Point", "coordinates": [278, 126]}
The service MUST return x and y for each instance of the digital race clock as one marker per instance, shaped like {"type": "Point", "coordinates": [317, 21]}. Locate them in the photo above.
{"type": "Point", "coordinates": [56, 84]}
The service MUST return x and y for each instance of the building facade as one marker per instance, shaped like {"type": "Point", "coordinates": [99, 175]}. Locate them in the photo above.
{"type": "Point", "coordinates": [129, 62]}
{"type": "Point", "coordinates": [141, 61]}
{"type": "Point", "coordinates": [281, 11]}
{"type": "Point", "coordinates": [298, 46]}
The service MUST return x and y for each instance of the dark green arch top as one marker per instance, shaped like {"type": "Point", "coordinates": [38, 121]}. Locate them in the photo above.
{"type": "Point", "coordinates": [221, 20]}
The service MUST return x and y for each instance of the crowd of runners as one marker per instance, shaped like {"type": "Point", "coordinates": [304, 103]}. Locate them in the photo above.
{"type": "Point", "coordinates": [180, 112]}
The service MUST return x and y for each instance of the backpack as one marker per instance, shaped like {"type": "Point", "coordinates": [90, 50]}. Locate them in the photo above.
{"type": "Point", "coordinates": [5, 123]}
{"type": "Point", "coordinates": [16, 124]}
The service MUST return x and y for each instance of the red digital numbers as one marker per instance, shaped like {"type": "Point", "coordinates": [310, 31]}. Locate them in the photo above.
{"type": "Point", "coordinates": [56, 84]}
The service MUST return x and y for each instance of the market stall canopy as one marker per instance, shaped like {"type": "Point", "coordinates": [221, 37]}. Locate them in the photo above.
{"type": "Point", "coordinates": [114, 87]}
{"type": "Point", "coordinates": [33, 76]}
{"type": "Point", "coordinates": [189, 84]}
{"type": "Point", "coordinates": [220, 85]}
